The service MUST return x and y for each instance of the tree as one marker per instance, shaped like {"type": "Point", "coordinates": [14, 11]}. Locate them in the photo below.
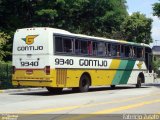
{"type": "Point", "coordinates": [3, 40]}
{"type": "Point", "coordinates": [156, 65]}
{"type": "Point", "coordinates": [137, 28]}
{"type": "Point", "coordinates": [156, 9]}
{"type": "Point", "coordinates": [91, 17]}
{"type": "Point", "coordinates": [105, 18]}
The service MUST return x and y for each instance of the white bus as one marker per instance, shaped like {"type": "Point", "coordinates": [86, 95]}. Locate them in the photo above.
{"type": "Point", "coordinates": [57, 59]}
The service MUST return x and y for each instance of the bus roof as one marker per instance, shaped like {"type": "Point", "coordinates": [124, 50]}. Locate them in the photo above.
{"type": "Point", "coordinates": [64, 32]}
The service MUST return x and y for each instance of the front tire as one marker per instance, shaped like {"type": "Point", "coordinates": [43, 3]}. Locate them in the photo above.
{"type": "Point", "coordinates": [54, 90]}
{"type": "Point", "coordinates": [139, 80]}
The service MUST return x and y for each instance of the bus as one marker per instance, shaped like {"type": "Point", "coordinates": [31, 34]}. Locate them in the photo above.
{"type": "Point", "coordinates": [57, 59]}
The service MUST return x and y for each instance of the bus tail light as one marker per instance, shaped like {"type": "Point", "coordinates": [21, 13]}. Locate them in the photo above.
{"type": "Point", "coordinates": [13, 69]}
{"type": "Point", "coordinates": [47, 70]}
{"type": "Point", "coordinates": [29, 71]}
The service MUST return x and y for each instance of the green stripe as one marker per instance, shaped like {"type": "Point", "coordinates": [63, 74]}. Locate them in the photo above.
{"type": "Point", "coordinates": [127, 72]}
{"type": "Point", "coordinates": [120, 72]}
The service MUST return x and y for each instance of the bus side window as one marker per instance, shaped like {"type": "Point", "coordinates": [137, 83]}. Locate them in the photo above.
{"type": "Point", "coordinates": [115, 50]}
{"type": "Point", "coordinates": [134, 52]}
{"type": "Point", "coordinates": [94, 48]}
{"type": "Point", "coordinates": [83, 47]}
{"type": "Point", "coordinates": [89, 47]}
{"type": "Point", "coordinates": [109, 50]}
{"type": "Point", "coordinates": [106, 49]}
{"type": "Point", "coordinates": [77, 46]}
{"type": "Point", "coordinates": [118, 51]}
{"type": "Point", "coordinates": [122, 51]}
{"type": "Point", "coordinates": [140, 52]}
{"type": "Point", "coordinates": [63, 45]}
{"type": "Point", "coordinates": [127, 51]}
{"type": "Point", "coordinates": [58, 44]}
{"type": "Point", "coordinates": [101, 49]}
{"type": "Point", "coordinates": [67, 45]}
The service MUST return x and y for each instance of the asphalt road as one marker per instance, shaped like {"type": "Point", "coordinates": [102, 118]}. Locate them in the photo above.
{"type": "Point", "coordinates": [98, 103]}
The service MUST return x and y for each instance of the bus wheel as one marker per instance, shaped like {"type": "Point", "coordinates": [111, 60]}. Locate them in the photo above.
{"type": "Point", "coordinates": [139, 79]}
{"type": "Point", "coordinates": [84, 83]}
{"type": "Point", "coordinates": [54, 90]}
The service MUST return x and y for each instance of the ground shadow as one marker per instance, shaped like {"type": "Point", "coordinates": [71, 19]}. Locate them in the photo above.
{"type": "Point", "coordinates": [153, 84]}
{"type": "Point", "coordinates": [69, 91]}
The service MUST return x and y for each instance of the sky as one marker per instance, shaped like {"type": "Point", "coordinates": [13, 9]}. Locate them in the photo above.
{"type": "Point", "coordinates": [145, 7]}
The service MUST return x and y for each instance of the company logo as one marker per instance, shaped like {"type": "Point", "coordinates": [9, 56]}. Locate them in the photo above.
{"type": "Point", "coordinates": [29, 39]}
{"type": "Point", "coordinates": [140, 64]}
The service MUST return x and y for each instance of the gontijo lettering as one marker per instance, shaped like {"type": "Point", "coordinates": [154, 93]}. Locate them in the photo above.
{"type": "Point", "coordinates": [29, 40]}
{"type": "Point", "coordinates": [86, 62]}
{"type": "Point", "coordinates": [28, 48]}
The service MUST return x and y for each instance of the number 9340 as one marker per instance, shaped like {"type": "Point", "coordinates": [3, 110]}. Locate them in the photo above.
{"type": "Point", "coordinates": [63, 61]}
{"type": "Point", "coordinates": [32, 63]}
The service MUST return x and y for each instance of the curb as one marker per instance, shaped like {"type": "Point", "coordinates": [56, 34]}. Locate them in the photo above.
{"type": "Point", "coordinates": [21, 90]}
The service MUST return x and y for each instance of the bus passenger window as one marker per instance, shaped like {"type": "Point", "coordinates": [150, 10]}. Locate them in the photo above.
{"type": "Point", "coordinates": [83, 48]}
{"type": "Point", "coordinates": [139, 52]}
{"type": "Point", "coordinates": [127, 51]}
{"type": "Point", "coordinates": [106, 49]}
{"type": "Point", "coordinates": [134, 52]}
{"type": "Point", "coordinates": [63, 45]}
{"type": "Point", "coordinates": [89, 47]}
{"type": "Point", "coordinates": [77, 46]}
{"type": "Point", "coordinates": [109, 50]}
{"type": "Point", "coordinates": [101, 49]}
{"type": "Point", "coordinates": [67, 45]}
{"type": "Point", "coordinates": [95, 48]}
{"type": "Point", "coordinates": [114, 50]}
{"type": "Point", "coordinates": [122, 54]}
{"type": "Point", "coordinates": [118, 51]}
{"type": "Point", "coordinates": [58, 44]}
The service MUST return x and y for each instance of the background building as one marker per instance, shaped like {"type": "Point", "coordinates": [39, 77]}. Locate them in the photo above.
{"type": "Point", "coordinates": [156, 59]}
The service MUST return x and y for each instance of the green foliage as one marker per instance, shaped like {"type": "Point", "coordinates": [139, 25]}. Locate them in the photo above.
{"type": "Point", "coordinates": [156, 9]}
{"type": "Point", "coordinates": [105, 18]}
{"type": "Point", "coordinates": [47, 16]}
{"type": "Point", "coordinates": [3, 40]}
{"type": "Point", "coordinates": [156, 64]}
{"type": "Point", "coordinates": [137, 28]}
{"type": "Point", "coordinates": [5, 75]}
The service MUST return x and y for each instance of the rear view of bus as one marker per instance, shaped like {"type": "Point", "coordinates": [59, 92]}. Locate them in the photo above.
{"type": "Point", "coordinates": [57, 59]}
{"type": "Point", "coordinates": [31, 57]}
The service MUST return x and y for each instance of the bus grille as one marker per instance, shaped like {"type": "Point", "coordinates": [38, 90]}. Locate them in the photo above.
{"type": "Point", "coordinates": [61, 76]}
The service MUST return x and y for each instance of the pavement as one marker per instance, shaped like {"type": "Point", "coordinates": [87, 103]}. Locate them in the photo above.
{"type": "Point", "coordinates": [21, 90]}
{"type": "Point", "coordinates": [156, 83]}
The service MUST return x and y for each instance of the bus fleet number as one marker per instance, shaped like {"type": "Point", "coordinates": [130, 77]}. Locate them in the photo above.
{"type": "Point", "coordinates": [29, 63]}
{"type": "Point", "coordinates": [63, 61]}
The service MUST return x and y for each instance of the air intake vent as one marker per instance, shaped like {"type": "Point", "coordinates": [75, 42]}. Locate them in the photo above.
{"type": "Point", "coordinates": [61, 76]}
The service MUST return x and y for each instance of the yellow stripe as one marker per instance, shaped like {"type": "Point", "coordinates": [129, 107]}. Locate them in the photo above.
{"type": "Point", "coordinates": [109, 111]}
{"type": "Point", "coordinates": [126, 107]}
{"type": "Point", "coordinates": [83, 106]}
{"type": "Point", "coordinates": [111, 73]}
{"type": "Point", "coordinates": [54, 110]}
{"type": "Point", "coordinates": [1, 91]}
